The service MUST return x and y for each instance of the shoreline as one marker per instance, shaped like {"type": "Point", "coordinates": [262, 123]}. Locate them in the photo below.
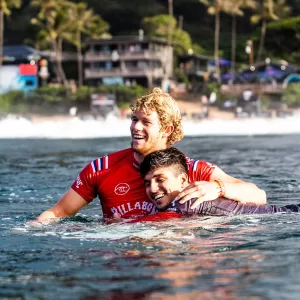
{"type": "Point", "coordinates": [191, 111]}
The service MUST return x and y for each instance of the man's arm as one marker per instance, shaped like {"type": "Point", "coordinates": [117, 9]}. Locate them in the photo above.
{"type": "Point", "coordinates": [235, 189]}
{"type": "Point", "coordinates": [238, 190]}
{"type": "Point", "coordinates": [67, 206]}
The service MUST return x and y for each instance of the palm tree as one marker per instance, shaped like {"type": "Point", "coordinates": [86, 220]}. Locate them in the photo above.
{"type": "Point", "coordinates": [159, 25]}
{"type": "Point", "coordinates": [268, 10]}
{"type": "Point", "coordinates": [83, 21]}
{"type": "Point", "coordinates": [237, 10]}
{"type": "Point", "coordinates": [53, 19]}
{"type": "Point", "coordinates": [5, 9]}
{"type": "Point", "coordinates": [215, 7]}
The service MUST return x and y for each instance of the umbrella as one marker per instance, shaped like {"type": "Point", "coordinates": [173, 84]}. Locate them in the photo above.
{"type": "Point", "coordinates": [222, 62]}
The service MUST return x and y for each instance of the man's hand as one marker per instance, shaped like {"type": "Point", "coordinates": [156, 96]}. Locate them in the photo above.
{"type": "Point", "coordinates": [201, 190]}
{"type": "Point", "coordinates": [233, 188]}
{"type": "Point", "coordinates": [34, 223]}
{"type": "Point", "coordinates": [37, 223]}
{"type": "Point", "coordinates": [67, 206]}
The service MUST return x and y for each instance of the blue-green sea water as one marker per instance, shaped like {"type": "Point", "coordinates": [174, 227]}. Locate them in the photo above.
{"type": "Point", "coordinates": [246, 257]}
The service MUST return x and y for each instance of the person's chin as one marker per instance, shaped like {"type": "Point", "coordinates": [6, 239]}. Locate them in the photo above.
{"type": "Point", "coordinates": [138, 148]}
{"type": "Point", "coordinates": [162, 206]}
{"type": "Point", "coordinates": [136, 145]}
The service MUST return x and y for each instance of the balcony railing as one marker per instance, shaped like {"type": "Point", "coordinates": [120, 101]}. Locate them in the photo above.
{"type": "Point", "coordinates": [92, 56]}
{"type": "Point", "coordinates": [124, 72]}
{"type": "Point", "coordinates": [200, 70]}
{"type": "Point", "coordinates": [257, 88]}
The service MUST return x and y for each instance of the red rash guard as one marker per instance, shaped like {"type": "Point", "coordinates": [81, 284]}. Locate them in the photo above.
{"type": "Point", "coordinates": [116, 180]}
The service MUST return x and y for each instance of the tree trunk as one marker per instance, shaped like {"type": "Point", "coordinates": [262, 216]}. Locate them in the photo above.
{"type": "Point", "coordinates": [79, 59]}
{"type": "Point", "coordinates": [170, 27]}
{"type": "Point", "coordinates": [55, 50]}
{"type": "Point", "coordinates": [233, 45]}
{"type": "Point", "coordinates": [61, 70]}
{"type": "Point", "coordinates": [217, 37]}
{"type": "Point", "coordinates": [1, 33]}
{"type": "Point", "coordinates": [262, 40]}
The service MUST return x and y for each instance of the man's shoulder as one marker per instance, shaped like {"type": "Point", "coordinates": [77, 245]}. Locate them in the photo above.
{"type": "Point", "coordinates": [193, 164]}
{"type": "Point", "coordinates": [107, 161]}
{"type": "Point", "coordinates": [199, 170]}
{"type": "Point", "coordinates": [120, 154]}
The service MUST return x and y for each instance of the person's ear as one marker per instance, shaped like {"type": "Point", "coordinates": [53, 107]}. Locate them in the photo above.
{"type": "Point", "coordinates": [168, 131]}
{"type": "Point", "coordinates": [184, 180]}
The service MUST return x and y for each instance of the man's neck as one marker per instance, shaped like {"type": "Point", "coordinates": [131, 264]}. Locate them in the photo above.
{"type": "Point", "coordinates": [138, 157]}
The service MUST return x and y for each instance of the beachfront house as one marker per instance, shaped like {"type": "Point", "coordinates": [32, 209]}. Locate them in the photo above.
{"type": "Point", "coordinates": [23, 68]}
{"type": "Point", "coordinates": [127, 60]}
{"type": "Point", "coordinates": [195, 66]}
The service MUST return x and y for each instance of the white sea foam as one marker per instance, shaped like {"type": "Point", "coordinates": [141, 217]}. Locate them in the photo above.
{"type": "Point", "coordinates": [171, 231]}
{"type": "Point", "coordinates": [76, 128]}
{"type": "Point", "coordinates": [179, 230]}
{"type": "Point", "coordinates": [96, 231]}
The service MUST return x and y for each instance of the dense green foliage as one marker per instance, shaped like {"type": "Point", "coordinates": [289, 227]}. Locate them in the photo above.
{"type": "Point", "coordinates": [49, 100]}
{"type": "Point", "coordinates": [166, 27]}
{"type": "Point", "coordinates": [126, 17]}
{"type": "Point", "coordinates": [63, 25]}
{"type": "Point", "coordinates": [291, 96]}
{"type": "Point", "coordinates": [284, 37]}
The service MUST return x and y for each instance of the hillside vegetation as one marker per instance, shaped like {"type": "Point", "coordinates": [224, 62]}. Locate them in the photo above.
{"type": "Point", "coordinates": [126, 17]}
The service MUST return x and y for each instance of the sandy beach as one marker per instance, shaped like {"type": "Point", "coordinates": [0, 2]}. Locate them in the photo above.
{"type": "Point", "coordinates": [195, 107]}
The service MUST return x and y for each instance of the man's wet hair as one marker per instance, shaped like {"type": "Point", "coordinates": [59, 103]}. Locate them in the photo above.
{"type": "Point", "coordinates": [167, 110]}
{"type": "Point", "coordinates": [170, 157]}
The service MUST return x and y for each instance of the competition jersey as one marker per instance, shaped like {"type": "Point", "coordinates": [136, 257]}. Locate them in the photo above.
{"type": "Point", "coordinates": [116, 180]}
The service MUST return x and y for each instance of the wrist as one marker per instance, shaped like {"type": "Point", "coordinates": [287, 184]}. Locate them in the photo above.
{"type": "Point", "coordinates": [220, 187]}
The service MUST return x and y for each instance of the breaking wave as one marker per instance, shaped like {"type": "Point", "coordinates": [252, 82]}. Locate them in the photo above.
{"type": "Point", "coordinates": [77, 128]}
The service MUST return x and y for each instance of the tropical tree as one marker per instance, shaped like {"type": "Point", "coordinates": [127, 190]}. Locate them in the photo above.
{"type": "Point", "coordinates": [237, 7]}
{"type": "Point", "coordinates": [83, 21]}
{"type": "Point", "coordinates": [5, 9]}
{"type": "Point", "coordinates": [268, 10]}
{"type": "Point", "coordinates": [53, 19]}
{"type": "Point", "coordinates": [215, 7]}
{"type": "Point", "coordinates": [159, 26]}
{"type": "Point", "coordinates": [284, 39]}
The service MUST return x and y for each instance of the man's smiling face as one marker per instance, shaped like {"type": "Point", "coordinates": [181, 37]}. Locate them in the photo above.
{"type": "Point", "coordinates": [146, 133]}
{"type": "Point", "coordinates": [163, 185]}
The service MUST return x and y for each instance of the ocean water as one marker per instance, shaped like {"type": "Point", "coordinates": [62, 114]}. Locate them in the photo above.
{"type": "Point", "coordinates": [245, 257]}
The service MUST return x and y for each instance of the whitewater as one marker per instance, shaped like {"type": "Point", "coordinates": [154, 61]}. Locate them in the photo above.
{"type": "Point", "coordinates": [13, 127]}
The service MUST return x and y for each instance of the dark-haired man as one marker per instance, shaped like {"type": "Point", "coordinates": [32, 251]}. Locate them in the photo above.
{"type": "Point", "coordinates": [166, 173]}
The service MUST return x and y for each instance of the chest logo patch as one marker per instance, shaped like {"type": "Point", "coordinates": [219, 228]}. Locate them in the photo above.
{"type": "Point", "coordinates": [122, 189]}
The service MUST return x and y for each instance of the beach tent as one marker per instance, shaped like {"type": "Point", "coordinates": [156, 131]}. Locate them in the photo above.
{"type": "Point", "coordinates": [20, 53]}
{"type": "Point", "coordinates": [292, 78]}
{"type": "Point", "coordinates": [222, 62]}
{"type": "Point", "coordinates": [273, 71]}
